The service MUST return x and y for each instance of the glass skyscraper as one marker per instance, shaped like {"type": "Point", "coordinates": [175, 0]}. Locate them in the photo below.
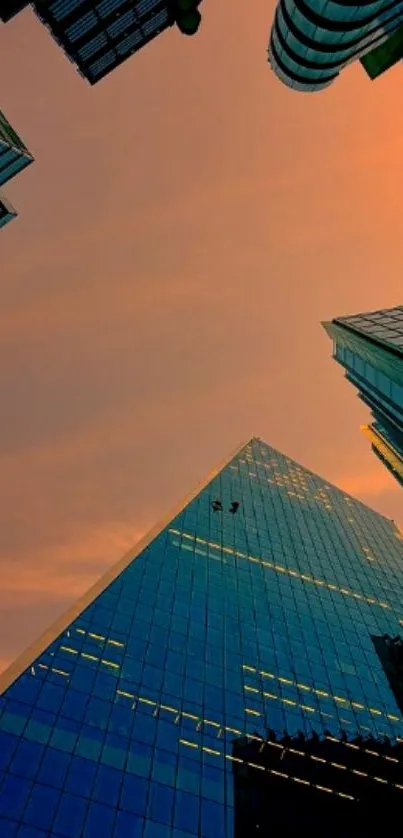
{"type": "Point", "coordinates": [244, 658]}
{"type": "Point", "coordinates": [14, 156]}
{"type": "Point", "coordinates": [311, 41]}
{"type": "Point", "coordinates": [98, 35]}
{"type": "Point", "coordinates": [370, 348]}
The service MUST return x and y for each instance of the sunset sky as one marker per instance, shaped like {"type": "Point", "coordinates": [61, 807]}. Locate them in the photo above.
{"type": "Point", "coordinates": [186, 225]}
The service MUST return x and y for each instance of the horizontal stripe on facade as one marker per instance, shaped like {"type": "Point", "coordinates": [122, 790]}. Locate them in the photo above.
{"type": "Point", "coordinates": [296, 76]}
{"type": "Point", "coordinates": [329, 25]}
{"type": "Point", "coordinates": [326, 47]}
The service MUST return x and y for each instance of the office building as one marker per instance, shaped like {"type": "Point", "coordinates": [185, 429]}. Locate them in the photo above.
{"type": "Point", "coordinates": [98, 35]}
{"type": "Point", "coordinates": [242, 664]}
{"type": "Point", "coordinates": [14, 156]}
{"type": "Point", "coordinates": [311, 41]}
{"type": "Point", "coordinates": [370, 349]}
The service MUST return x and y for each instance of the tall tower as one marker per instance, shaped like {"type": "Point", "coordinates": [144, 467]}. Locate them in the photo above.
{"type": "Point", "coordinates": [311, 41]}
{"type": "Point", "coordinates": [14, 156]}
{"type": "Point", "coordinates": [235, 670]}
{"type": "Point", "coordinates": [370, 348]}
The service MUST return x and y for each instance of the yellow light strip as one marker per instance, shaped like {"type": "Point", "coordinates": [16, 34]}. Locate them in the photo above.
{"type": "Point", "coordinates": [304, 707]}
{"type": "Point", "coordinates": [87, 656]}
{"type": "Point", "coordinates": [366, 750]}
{"type": "Point", "coordinates": [52, 669]}
{"type": "Point", "coordinates": [195, 746]}
{"type": "Point", "coordinates": [336, 698]}
{"type": "Point", "coordinates": [189, 744]}
{"type": "Point", "coordinates": [100, 637]}
{"type": "Point", "coordinates": [386, 449]}
{"type": "Point", "coordinates": [253, 737]}
{"type": "Point", "coordinates": [281, 569]}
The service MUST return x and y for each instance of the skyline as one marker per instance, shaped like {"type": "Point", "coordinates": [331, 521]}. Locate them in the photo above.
{"type": "Point", "coordinates": [265, 214]}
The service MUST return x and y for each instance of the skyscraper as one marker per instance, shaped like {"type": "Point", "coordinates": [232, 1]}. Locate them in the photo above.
{"type": "Point", "coordinates": [370, 349]}
{"type": "Point", "coordinates": [311, 41]}
{"type": "Point", "coordinates": [98, 35]}
{"type": "Point", "coordinates": [225, 669]}
{"type": "Point", "coordinates": [14, 156]}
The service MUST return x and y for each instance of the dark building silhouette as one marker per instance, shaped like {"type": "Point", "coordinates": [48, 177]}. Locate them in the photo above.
{"type": "Point", "coordinates": [14, 156]}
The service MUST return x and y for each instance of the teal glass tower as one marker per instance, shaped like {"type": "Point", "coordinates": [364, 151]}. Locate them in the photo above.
{"type": "Point", "coordinates": [369, 347]}
{"type": "Point", "coordinates": [14, 156]}
{"type": "Point", "coordinates": [266, 611]}
{"type": "Point", "coordinates": [99, 35]}
{"type": "Point", "coordinates": [312, 41]}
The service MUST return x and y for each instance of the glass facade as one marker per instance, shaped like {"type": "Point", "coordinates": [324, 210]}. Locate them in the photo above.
{"type": "Point", "coordinates": [98, 35]}
{"type": "Point", "coordinates": [383, 446]}
{"type": "Point", "coordinates": [311, 41]}
{"type": "Point", "coordinates": [7, 211]}
{"type": "Point", "coordinates": [14, 156]}
{"type": "Point", "coordinates": [252, 610]}
{"type": "Point", "coordinates": [370, 348]}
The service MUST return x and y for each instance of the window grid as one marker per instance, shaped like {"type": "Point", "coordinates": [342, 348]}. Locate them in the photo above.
{"type": "Point", "coordinates": [125, 725]}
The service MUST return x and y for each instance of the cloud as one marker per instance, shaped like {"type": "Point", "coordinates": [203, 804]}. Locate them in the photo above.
{"type": "Point", "coordinates": [37, 586]}
{"type": "Point", "coordinates": [185, 227]}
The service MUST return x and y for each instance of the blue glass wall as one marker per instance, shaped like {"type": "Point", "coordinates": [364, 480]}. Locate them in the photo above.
{"type": "Point", "coordinates": [226, 624]}
{"type": "Point", "coordinates": [14, 156]}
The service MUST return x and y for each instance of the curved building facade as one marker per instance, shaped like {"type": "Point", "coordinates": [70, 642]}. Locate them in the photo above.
{"type": "Point", "coordinates": [312, 40]}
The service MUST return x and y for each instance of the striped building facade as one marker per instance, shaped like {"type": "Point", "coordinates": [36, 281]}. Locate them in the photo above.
{"type": "Point", "coordinates": [311, 41]}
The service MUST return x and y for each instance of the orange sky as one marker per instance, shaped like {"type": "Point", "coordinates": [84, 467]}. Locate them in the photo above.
{"type": "Point", "coordinates": [186, 226]}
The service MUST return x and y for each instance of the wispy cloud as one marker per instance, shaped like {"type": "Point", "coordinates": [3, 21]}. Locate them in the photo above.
{"type": "Point", "coordinates": [65, 570]}
{"type": "Point", "coordinates": [185, 227]}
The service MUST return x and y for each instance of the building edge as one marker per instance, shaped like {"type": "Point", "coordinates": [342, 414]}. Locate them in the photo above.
{"type": "Point", "coordinates": [17, 667]}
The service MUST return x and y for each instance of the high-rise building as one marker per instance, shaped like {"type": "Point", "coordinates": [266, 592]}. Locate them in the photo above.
{"type": "Point", "coordinates": [241, 667]}
{"type": "Point", "coordinates": [370, 349]}
{"type": "Point", "coordinates": [311, 41]}
{"type": "Point", "coordinates": [7, 211]}
{"type": "Point", "coordinates": [14, 156]}
{"type": "Point", "coordinates": [98, 35]}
